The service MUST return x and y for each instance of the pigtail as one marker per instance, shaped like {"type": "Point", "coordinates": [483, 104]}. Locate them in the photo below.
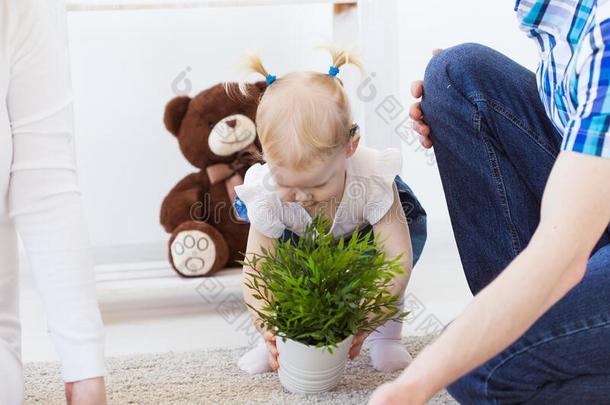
{"type": "Point", "coordinates": [341, 57]}
{"type": "Point", "coordinates": [254, 64]}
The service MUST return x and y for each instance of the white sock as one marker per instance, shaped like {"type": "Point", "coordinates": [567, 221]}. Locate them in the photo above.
{"type": "Point", "coordinates": [387, 351]}
{"type": "Point", "coordinates": [255, 360]}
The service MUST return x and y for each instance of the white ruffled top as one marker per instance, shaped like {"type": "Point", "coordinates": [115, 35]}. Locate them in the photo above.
{"type": "Point", "coordinates": [368, 195]}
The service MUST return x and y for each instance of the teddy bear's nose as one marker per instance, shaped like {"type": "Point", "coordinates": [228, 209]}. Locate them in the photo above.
{"type": "Point", "coordinates": [231, 123]}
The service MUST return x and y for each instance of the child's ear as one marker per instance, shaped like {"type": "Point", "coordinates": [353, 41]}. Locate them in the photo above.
{"type": "Point", "coordinates": [352, 145]}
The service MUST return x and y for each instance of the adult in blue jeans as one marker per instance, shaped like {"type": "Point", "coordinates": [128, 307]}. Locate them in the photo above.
{"type": "Point", "coordinates": [524, 160]}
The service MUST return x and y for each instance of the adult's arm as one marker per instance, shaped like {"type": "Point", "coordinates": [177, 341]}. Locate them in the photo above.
{"type": "Point", "coordinates": [575, 212]}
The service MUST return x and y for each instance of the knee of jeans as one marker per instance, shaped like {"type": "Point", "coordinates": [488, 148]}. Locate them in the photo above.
{"type": "Point", "coordinates": [452, 67]}
{"type": "Point", "coordinates": [469, 389]}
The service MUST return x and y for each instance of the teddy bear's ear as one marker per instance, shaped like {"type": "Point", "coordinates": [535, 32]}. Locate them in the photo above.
{"type": "Point", "coordinates": [174, 113]}
{"type": "Point", "coordinates": [254, 91]}
{"type": "Point", "coordinates": [262, 85]}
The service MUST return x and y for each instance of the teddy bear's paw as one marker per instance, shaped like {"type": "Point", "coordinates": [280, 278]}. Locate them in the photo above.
{"type": "Point", "coordinates": [193, 253]}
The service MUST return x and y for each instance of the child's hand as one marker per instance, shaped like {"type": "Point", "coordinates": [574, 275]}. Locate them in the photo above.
{"type": "Point", "coordinates": [273, 353]}
{"type": "Point", "coordinates": [354, 351]}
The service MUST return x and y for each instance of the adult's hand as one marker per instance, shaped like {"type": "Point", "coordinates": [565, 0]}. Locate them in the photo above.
{"type": "Point", "coordinates": [416, 114]}
{"type": "Point", "coordinates": [91, 391]}
{"type": "Point", "coordinates": [393, 393]}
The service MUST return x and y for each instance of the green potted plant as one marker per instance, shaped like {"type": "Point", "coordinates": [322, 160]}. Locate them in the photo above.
{"type": "Point", "coordinates": [316, 294]}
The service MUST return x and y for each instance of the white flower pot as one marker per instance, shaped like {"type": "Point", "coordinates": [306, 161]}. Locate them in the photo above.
{"type": "Point", "coordinates": [308, 369]}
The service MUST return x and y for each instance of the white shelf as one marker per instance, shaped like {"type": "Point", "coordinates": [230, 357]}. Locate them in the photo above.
{"type": "Point", "coordinates": [131, 282]}
{"type": "Point", "coordinates": [110, 5]}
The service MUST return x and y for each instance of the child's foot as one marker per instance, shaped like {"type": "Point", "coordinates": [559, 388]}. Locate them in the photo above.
{"type": "Point", "coordinates": [389, 355]}
{"type": "Point", "coordinates": [256, 360]}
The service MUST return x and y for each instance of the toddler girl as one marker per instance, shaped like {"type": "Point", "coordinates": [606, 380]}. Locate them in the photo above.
{"type": "Point", "coordinates": [314, 164]}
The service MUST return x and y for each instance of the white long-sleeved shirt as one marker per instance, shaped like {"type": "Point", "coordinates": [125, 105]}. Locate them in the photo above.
{"type": "Point", "coordinates": [39, 193]}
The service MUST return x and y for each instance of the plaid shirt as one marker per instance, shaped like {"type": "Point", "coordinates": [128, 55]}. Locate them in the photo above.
{"type": "Point", "coordinates": [574, 71]}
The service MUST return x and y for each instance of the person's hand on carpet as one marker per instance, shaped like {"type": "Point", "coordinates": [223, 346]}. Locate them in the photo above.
{"type": "Point", "coordinates": [91, 391]}
{"type": "Point", "coordinates": [394, 393]}
{"type": "Point", "coordinates": [416, 114]}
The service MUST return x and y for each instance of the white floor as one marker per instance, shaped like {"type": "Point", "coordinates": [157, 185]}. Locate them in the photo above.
{"type": "Point", "coordinates": [167, 313]}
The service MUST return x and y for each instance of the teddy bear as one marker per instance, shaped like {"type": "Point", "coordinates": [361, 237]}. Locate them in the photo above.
{"type": "Point", "coordinates": [216, 133]}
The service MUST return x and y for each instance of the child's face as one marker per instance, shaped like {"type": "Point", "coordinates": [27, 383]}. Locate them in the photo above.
{"type": "Point", "coordinates": [322, 183]}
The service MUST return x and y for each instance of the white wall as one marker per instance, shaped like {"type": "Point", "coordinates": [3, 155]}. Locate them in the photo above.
{"type": "Point", "coordinates": [430, 24]}
{"type": "Point", "coordinates": [123, 67]}
{"type": "Point", "coordinates": [124, 63]}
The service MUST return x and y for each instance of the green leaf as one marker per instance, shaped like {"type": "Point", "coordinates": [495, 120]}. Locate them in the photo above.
{"type": "Point", "coordinates": [319, 290]}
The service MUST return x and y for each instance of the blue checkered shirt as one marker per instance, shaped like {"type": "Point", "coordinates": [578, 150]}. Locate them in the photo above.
{"type": "Point", "coordinates": [574, 70]}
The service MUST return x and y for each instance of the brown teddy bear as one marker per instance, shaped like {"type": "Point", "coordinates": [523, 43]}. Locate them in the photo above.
{"type": "Point", "coordinates": [216, 133]}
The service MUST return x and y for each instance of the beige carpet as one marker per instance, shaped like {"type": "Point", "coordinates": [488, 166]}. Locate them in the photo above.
{"type": "Point", "coordinates": [209, 377]}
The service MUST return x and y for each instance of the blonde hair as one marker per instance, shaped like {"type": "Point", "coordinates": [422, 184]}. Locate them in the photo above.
{"type": "Point", "coordinates": [304, 116]}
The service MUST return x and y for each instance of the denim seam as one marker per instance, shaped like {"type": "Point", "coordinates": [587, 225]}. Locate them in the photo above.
{"type": "Point", "coordinates": [501, 192]}
{"type": "Point", "coordinates": [503, 111]}
{"type": "Point", "coordinates": [540, 343]}
{"type": "Point", "coordinates": [476, 121]}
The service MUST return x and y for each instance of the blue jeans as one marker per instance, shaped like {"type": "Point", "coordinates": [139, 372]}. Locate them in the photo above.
{"type": "Point", "coordinates": [415, 213]}
{"type": "Point", "coordinates": [495, 147]}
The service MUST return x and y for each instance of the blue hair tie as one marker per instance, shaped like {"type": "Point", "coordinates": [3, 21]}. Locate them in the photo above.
{"type": "Point", "coordinates": [270, 79]}
{"type": "Point", "coordinates": [333, 71]}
